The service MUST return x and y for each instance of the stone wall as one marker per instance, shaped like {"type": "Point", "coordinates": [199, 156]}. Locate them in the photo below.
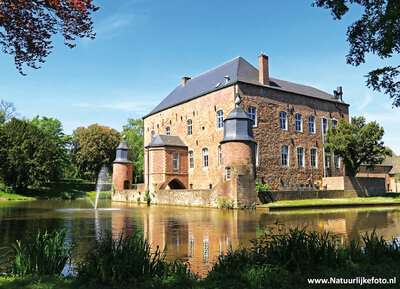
{"type": "Point", "coordinates": [276, 196]}
{"type": "Point", "coordinates": [195, 198]}
{"type": "Point", "coordinates": [363, 187]}
{"type": "Point", "coordinates": [270, 138]}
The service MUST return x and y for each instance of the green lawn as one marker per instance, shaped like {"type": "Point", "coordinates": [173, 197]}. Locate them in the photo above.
{"type": "Point", "coordinates": [388, 198]}
{"type": "Point", "coordinates": [66, 189]}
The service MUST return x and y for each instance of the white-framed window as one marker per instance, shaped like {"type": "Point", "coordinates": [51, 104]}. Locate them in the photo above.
{"type": "Point", "coordinates": [253, 114]}
{"type": "Point", "coordinates": [191, 160]}
{"type": "Point", "coordinates": [220, 119]}
{"type": "Point", "coordinates": [298, 122]}
{"type": "Point", "coordinates": [336, 160]}
{"type": "Point", "coordinates": [219, 155]}
{"type": "Point", "coordinates": [168, 130]}
{"type": "Point", "coordinates": [300, 157]}
{"type": "Point", "coordinates": [327, 161]}
{"type": "Point", "coordinates": [324, 126]}
{"type": "Point", "coordinates": [205, 158]}
{"type": "Point", "coordinates": [334, 122]}
{"type": "Point", "coordinates": [227, 174]}
{"type": "Point", "coordinates": [189, 127]}
{"type": "Point", "coordinates": [311, 124]}
{"type": "Point", "coordinates": [313, 158]}
{"type": "Point", "coordinates": [283, 120]}
{"type": "Point", "coordinates": [285, 156]}
{"type": "Point", "coordinates": [175, 161]}
{"type": "Point", "coordinates": [256, 153]}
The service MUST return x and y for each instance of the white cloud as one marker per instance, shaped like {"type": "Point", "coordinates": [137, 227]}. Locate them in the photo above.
{"type": "Point", "coordinates": [367, 100]}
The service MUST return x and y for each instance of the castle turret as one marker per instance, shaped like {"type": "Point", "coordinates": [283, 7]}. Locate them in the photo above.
{"type": "Point", "coordinates": [238, 158]}
{"type": "Point", "coordinates": [123, 167]}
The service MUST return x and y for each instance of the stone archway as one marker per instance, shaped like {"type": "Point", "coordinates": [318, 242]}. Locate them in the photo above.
{"type": "Point", "coordinates": [176, 184]}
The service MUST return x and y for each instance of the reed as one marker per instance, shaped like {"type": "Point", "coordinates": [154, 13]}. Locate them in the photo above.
{"type": "Point", "coordinates": [126, 259]}
{"type": "Point", "coordinates": [40, 254]}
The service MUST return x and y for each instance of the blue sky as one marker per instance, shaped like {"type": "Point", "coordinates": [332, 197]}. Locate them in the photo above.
{"type": "Point", "coordinates": [143, 48]}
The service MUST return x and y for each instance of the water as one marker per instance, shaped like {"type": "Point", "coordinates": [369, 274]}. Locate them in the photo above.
{"type": "Point", "coordinates": [194, 235]}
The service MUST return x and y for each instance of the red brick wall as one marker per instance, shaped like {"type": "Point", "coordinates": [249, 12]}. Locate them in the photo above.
{"type": "Point", "coordinates": [202, 111]}
{"type": "Point", "coordinates": [121, 173]}
{"type": "Point", "coordinates": [269, 102]}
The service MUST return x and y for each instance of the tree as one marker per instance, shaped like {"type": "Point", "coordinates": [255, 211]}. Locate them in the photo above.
{"type": "Point", "coordinates": [27, 155]}
{"type": "Point", "coordinates": [53, 129]}
{"type": "Point", "coordinates": [94, 147]}
{"type": "Point", "coordinates": [378, 31]}
{"type": "Point", "coordinates": [7, 111]}
{"type": "Point", "coordinates": [357, 143]}
{"type": "Point", "coordinates": [26, 27]}
{"type": "Point", "coordinates": [134, 137]}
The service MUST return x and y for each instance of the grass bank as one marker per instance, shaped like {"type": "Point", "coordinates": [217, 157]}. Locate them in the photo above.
{"type": "Point", "coordinates": [65, 189]}
{"type": "Point", "coordinates": [389, 198]}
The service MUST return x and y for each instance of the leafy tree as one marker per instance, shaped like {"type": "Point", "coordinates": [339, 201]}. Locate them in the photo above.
{"type": "Point", "coordinates": [378, 31]}
{"type": "Point", "coordinates": [94, 147]}
{"type": "Point", "coordinates": [26, 27]}
{"type": "Point", "coordinates": [53, 129]}
{"type": "Point", "coordinates": [7, 111]}
{"type": "Point", "coordinates": [27, 155]}
{"type": "Point", "coordinates": [134, 137]}
{"type": "Point", "coordinates": [357, 143]}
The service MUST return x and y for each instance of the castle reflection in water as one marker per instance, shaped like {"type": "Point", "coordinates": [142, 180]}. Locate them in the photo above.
{"type": "Point", "coordinates": [199, 236]}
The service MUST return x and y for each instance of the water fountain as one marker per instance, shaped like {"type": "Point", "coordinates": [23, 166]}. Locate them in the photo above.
{"type": "Point", "coordinates": [101, 184]}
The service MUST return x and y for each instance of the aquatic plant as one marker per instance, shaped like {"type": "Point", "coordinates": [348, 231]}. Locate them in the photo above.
{"type": "Point", "coordinates": [41, 254]}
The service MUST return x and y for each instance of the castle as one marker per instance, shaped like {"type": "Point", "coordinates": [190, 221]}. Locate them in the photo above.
{"type": "Point", "coordinates": [235, 120]}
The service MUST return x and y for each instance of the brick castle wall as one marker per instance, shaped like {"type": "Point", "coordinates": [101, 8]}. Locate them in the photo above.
{"type": "Point", "coordinates": [270, 138]}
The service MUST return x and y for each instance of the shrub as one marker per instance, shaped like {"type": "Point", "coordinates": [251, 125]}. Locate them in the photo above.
{"type": "Point", "coordinates": [147, 197]}
{"type": "Point", "coordinates": [224, 204]}
{"type": "Point", "coordinates": [260, 187]}
{"type": "Point", "coordinates": [138, 199]}
{"type": "Point", "coordinates": [43, 254]}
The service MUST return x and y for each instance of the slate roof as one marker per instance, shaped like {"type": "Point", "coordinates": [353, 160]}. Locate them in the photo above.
{"type": "Point", "coordinates": [163, 140]}
{"type": "Point", "coordinates": [238, 70]}
{"type": "Point", "coordinates": [124, 145]}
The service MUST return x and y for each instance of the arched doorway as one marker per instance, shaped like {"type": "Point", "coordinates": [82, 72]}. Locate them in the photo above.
{"type": "Point", "coordinates": [176, 184]}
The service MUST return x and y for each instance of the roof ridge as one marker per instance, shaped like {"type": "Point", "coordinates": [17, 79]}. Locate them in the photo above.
{"type": "Point", "coordinates": [237, 57]}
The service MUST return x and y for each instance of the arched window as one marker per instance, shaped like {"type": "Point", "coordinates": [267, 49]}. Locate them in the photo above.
{"type": "Point", "coordinates": [283, 120]}
{"type": "Point", "coordinates": [253, 114]}
{"type": "Point", "coordinates": [313, 158]}
{"type": "Point", "coordinates": [285, 156]}
{"type": "Point", "coordinates": [220, 119]}
{"type": "Point", "coordinates": [311, 124]}
{"type": "Point", "coordinates": [298, 122]}
{"type": "Point", "coordinates": [334, 122]}
{"type": "Point", "coordinates": [191, 160]}
{"type": "Point", "coordinates": [300, 157]}
{"type": "Point", "coordinates": [168, 130]}
{"type": "Point", "coordinates": [189, 127]}
{"type": "Point", "coordinates": [205, 158]}
{"type": "Point", "coordinates": [324, 126]}
{"type": "Point", "coordinates": [153, 134]}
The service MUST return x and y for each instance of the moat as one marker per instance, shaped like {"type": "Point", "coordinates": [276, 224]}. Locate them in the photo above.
{"type": "Point", "coordinates": [195, 235]}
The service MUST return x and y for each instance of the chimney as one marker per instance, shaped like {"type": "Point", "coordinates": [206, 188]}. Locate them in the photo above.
{"type": "Point", "coordinates": [263, 69]}
{"type": "Point", "coordinates": [184, 80]}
